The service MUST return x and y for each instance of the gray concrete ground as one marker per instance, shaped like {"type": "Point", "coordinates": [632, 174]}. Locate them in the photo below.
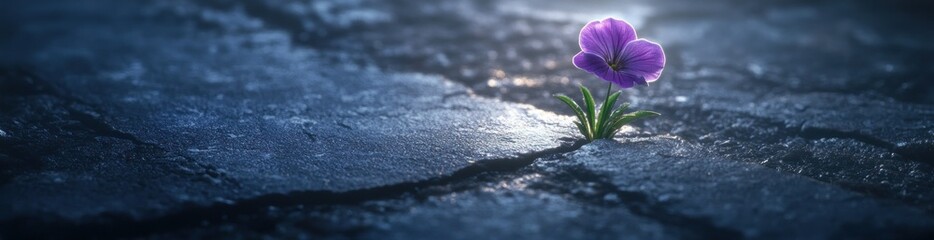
{"type": "Point", "coordinates": [426, 120]}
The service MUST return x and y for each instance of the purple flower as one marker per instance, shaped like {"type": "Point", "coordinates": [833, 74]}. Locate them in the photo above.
{"type": "Point", "coordinates": [610, 50]}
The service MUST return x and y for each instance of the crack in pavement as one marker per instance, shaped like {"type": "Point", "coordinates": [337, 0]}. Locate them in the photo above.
{"type": "Point", "coordinates": [743, 144]}
{"type": "Point", "coordinates": [638, 203]}
{"type": "Point", "coordinates": [915, 151]}
{"type": "Point", "coordinates": [114, 225]}
{"type": "Point", "coordinates": [279, 19]}
{"type": "Point", "coordinates": [118, 226]}
{"type": "Point", "coordinates": [193, 215]}
{"type": "Point", "coordinates": [24, 81]}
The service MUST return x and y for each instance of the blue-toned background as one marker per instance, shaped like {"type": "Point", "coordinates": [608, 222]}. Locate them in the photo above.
{"type": "Point", "coordinates": [434, 120]}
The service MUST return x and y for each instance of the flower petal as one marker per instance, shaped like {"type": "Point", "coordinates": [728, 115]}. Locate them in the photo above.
{"type": "Point", "coordinates": [590, 62]}
{"type": "Point", "coordinates": [596, 65]}
{"type": "Point", "coordinates": [623, 79]}
{"type": "Point", "coordinates": [643, 58]}
{"type": "Point", "coordinates": [607, 37]}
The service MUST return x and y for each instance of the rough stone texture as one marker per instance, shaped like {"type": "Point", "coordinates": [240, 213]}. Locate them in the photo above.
{"type": "Point", "coordinates": [407, 119]}
{"type": "Point", "coordinates": [752, 80]}
{"type": "Point", "coordinates": [757, 201]}
{"type": "Point", "coordinates": [246, 112]}
{"type": "Point", "coordinates": [493, 212]}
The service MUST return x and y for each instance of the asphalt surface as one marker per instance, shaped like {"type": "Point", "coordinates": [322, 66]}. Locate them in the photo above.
{"type": "Point", "coordinates": [407, 119]}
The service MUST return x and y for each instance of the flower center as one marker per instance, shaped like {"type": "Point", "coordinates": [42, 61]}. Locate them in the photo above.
{"type": "Point", "coordinates": [615, 66]}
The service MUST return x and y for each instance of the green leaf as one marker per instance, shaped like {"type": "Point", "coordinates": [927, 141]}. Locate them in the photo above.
{"type": "Point", "coordinates": [573, 105]}
{"type": "Point", "coordinates": [590, 110]}
{"type": "Point", "coordinates": [585, 129]}
{"type": "Point", "coordinates": [604, 116]}
{"type": "Point", "coordinates": [617, 114]}
{"type": "Point", "coordinates": [627, 118]}
{"type": "Point", "coordinates": [582, 128]}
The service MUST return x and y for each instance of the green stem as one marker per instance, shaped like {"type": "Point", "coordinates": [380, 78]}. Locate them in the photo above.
{"type": "Point", "coordinates": [606, 101]}
{"type": "Point", "coordinates": [608, 87]}
{"type": "Point", "coordinates": [603, 111]}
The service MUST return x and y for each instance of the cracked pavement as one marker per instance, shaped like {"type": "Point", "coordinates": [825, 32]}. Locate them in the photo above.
{"type": "Point", "coordinates": [407, 119]}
